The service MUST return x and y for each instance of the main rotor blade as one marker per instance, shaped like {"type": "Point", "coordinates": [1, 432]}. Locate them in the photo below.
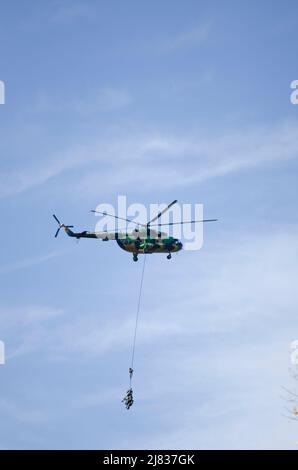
{"type": "Point", "coordinates": [188, 222]}
{"type": "Point", "coordinates": [56, 234]}
{"type": "Point", "coordinates": [120, 218]}
{"type": "Point", "coordinates": [161, 213]}
{"type": "Point", "coordinates": [57, 220]}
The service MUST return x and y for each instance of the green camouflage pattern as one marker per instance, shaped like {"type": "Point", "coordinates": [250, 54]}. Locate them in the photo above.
{"type": "Point", "coordinates": [138, 242]}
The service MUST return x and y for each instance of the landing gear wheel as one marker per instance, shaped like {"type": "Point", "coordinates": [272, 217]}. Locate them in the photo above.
{"type": "Point", "coordinates": [135, 257]}
{"type": "Point", "coordinates": [169, 256]}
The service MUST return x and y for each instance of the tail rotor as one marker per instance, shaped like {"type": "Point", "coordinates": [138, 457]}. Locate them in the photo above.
{"type": "Point", "coordinates": [60, 225]}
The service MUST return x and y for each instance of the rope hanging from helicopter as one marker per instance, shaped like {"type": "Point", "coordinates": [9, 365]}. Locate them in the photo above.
{"type": "Point", "coordinates": [128, 399]}
{"type": "Point", "coordinates": [166, 245]}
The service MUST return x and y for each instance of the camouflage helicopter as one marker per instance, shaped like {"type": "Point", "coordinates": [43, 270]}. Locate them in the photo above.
{"type": "Point", "coordinates": [142, 240]}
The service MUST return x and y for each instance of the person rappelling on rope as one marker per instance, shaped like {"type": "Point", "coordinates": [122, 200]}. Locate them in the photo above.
{"type": "Point", "coordinates": [128, 399]}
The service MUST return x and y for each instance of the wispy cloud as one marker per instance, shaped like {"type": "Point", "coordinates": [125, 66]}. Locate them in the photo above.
{"type": "Point", "coordinates": [26, 316]}
{"type": "Point", "coordinates": [185, 159]}
{"type": "Point", "coordinates": [70, 13]}
{"type": "Point", "coordinates": [191, 38]}
{"type": "Point", "coordinates": [269, 258]}
{"type": "Point", "coordinates": [27, 328]}
{"type": "Point", "coordinates": [35, 173]}
{"type": "Point", "coordinates": [21, 415]}
{"type": "Point", "coordinates": [27, 263]}
{"type": "Point", "coordinates": [102, 100]}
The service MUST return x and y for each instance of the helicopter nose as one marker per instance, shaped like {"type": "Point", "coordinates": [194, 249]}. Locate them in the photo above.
{"type": "Point", "coordinates": [179, 245]}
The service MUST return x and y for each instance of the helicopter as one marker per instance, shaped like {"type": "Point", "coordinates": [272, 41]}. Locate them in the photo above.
{"type": "Point", "coordinates": [142, 240]}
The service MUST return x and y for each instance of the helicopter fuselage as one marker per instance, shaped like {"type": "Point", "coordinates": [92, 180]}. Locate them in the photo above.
{"type": "Point", "coordinates": [150, 245]}
{"type": "Point", "coordinates": [144, 238]}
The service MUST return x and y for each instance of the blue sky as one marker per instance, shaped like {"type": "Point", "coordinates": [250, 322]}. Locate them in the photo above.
{"type": "Point", "coordinates": [155, 101]}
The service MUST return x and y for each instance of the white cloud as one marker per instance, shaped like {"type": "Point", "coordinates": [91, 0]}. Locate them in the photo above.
{"type": "Point", "coordinates": [33, 174]}
{"type": "Point", "coordinates": [85, 103]}
{"type": "Point", "coordinates": [65, 13]}
{"type": "Point", "coordinates": [27, 263]}
{"type": "Point", "coordinates": [28, 416]}
{"type": "Point", "coordinates": [26, 316]}
{"type": "Point", "coordinates": [185, 160]}
{"type": "Point", "coordinates": [109, 99]}
{"type": "Point", "coordinates": [191, 38]}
